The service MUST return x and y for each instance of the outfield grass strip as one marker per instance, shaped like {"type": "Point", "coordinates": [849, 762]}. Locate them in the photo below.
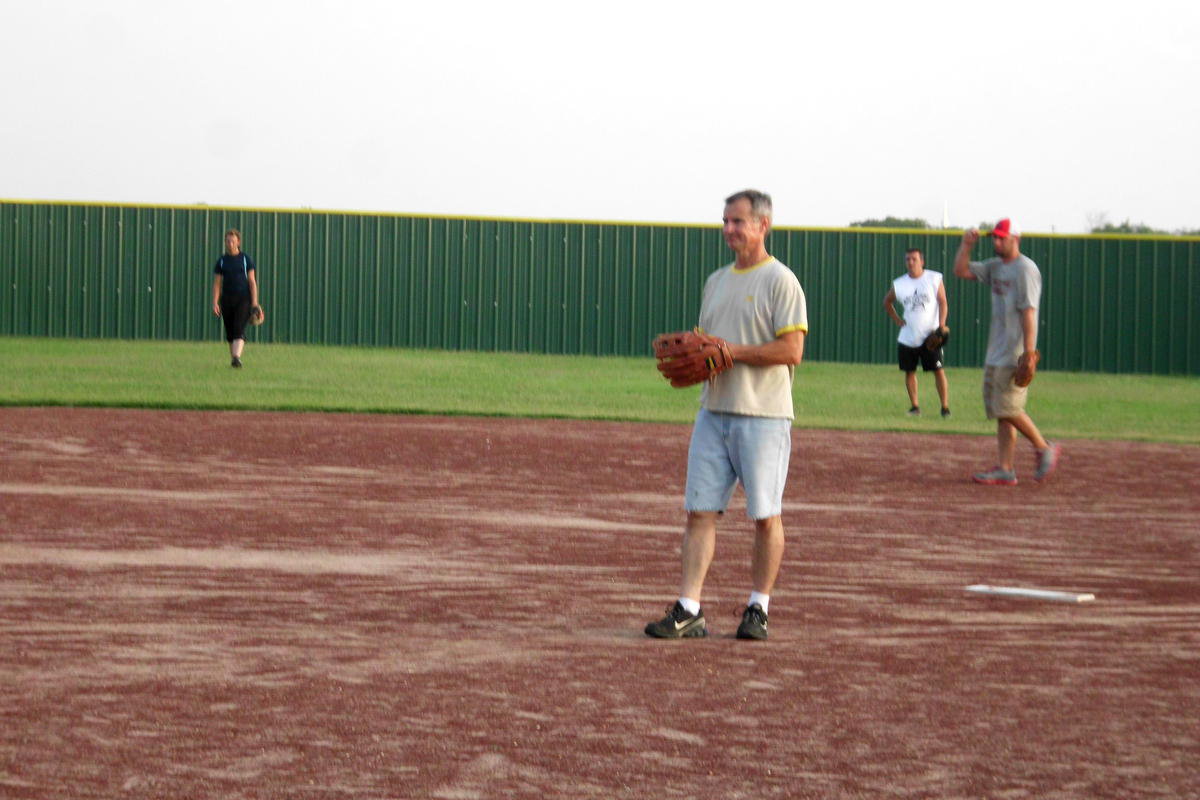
{"type": "Point", "coordinates": [279, 377]}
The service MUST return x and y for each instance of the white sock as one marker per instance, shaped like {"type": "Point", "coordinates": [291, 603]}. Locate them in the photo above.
{"type": "Point", "coordinates": [689, 605]}
{"type": "Point", "coordinates": [763, 600]}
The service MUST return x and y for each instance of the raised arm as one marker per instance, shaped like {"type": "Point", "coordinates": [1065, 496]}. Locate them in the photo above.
{"type": "Point", "coordinates": [962, 261]}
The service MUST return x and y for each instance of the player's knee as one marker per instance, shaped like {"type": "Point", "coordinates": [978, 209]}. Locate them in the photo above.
{"type": "Point", "coordinates": [768, 524]}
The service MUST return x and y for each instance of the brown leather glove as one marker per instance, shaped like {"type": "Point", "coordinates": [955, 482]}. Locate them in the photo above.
{"type": "Point", "coordinates": [1026, 367]}
{"type": "Point", "coordinates": [686, 358]}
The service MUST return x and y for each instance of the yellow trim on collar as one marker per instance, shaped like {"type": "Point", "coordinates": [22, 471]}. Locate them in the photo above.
{"type": "Point", "coordinates": [766, 260]}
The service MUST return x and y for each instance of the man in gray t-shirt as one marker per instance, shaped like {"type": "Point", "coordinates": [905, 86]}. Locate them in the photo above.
{"type": "Point", "coordinates": [1016, 289]}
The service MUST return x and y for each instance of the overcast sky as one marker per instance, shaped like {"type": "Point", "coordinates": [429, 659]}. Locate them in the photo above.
{"type": "Point", "coordinates": [1051, 112]}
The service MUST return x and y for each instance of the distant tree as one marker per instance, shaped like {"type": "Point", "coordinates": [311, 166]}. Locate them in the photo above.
{"type": "Point", "coordinates": [1096, 219]}
{"type": "Point", "coordinates": [1125, 227]}
{"type": "Point", "coordinates": [892, 222]}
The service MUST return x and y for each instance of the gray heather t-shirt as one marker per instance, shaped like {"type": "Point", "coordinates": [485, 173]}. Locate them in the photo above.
{"type": "Point", "coordinates": [1015, 286]}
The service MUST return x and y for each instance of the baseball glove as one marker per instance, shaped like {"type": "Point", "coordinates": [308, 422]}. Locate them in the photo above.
{"type": "Point", "coordinates": [690, 357]}
{"type": "Point", "coordinates": [257, 317]}
{"type": "Point", "coordinates": [1026, 367]}
{"type": "Point", "coordinates": [937, 339]}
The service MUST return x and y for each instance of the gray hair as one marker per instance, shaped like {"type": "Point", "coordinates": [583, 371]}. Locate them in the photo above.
{"type": "Point", "coordinates": [760, 202]}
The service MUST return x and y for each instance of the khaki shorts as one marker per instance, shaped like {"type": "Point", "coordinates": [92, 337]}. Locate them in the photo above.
{"type": "Point", "coordinates": [1001, 397]}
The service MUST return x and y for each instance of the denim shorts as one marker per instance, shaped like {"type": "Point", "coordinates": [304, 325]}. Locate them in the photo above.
{"type": "Point", "coordinates": [727, 448]}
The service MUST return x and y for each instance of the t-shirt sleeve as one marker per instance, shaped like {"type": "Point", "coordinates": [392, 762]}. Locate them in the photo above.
{"type": "Point", "coordinates": [981, 270]}
{"type": "Point", "coordinates": [705, 322]}
{"type": "Point", "coordinates": [1029, 288]}
{"type": "Point", "coordinates": [217, 268]}
{"type": "Point", "coordinates": [250, 264]}
{"type": "Point", "coordinates": [790, 309]}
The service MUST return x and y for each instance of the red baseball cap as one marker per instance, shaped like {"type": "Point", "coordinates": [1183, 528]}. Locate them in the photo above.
{"type": "Point", "coordinates": [1005, 227]}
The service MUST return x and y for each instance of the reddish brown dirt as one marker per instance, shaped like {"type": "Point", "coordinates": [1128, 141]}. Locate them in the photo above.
{"type": "Point", "coordinates": [237, 605]}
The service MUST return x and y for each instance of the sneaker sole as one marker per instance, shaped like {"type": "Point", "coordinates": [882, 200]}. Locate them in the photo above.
{"type": "Point", "coordinates": [751, 637]}
{"type": "Point", "coordinates": [689, 633]}
{"type": "Point", "coordinates": [694, 629]}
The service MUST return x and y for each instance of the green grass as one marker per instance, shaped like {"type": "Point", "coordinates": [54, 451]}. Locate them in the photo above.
{"type": "Point", "coordinates": [193, 375]}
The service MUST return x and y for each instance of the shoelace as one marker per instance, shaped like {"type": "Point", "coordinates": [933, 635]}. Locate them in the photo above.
{"type": "Point", "coordinates": [757, 614]}
{"type": "Point", "coordinates": [682, 611]}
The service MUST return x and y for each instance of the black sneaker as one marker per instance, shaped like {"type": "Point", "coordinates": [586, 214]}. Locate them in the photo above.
{"type": "Point", "coordinates": [678, 624]}
{"type": "Point", "coordinates": [754, 623]}
{"type": "Point", "coordinates": [945, 413]}
{"type": "Point", "coordinates": [915, 411]}
{"type": "Point", "coordinates": [235, 362]}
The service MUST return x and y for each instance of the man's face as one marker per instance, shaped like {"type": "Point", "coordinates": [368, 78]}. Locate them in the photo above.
{"type": "Point", "coordinates": [1004, 246]}
{"type": "Point", "coordinates": [913, 261]}
{"type": "Point", "coordinates": [232, 243]}
{"type": "Point", "coordinates": [743, 231]}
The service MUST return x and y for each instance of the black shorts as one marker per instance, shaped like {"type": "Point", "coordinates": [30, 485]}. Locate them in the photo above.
{"type": "Point", "coordinates": [235, 313]}
{"type": "Point", "coordinates": [908, 357]}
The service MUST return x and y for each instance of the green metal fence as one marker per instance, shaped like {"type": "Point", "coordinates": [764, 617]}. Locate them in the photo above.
{"type": "Point", "coordinates": [1110, 304]}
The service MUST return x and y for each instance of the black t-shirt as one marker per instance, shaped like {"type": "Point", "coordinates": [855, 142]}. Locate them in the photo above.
{"type": "Point", "coordinates": [235, 274]}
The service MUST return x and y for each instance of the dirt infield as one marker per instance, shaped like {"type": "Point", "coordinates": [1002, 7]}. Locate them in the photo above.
{"type": "Point", "coordinates": [244, 605]}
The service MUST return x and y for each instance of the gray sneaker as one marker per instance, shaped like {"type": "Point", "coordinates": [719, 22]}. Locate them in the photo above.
{"type": "Point", "coordinates": [1047, 461]}
{"type": "Point", "coordinates": [996, 477]}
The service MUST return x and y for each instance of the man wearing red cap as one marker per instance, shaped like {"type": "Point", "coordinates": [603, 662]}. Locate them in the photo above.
{"type": "Point", "coordinates": [1016, 286]}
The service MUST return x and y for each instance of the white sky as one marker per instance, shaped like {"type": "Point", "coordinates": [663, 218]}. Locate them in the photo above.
{"type": "Point", "coordinates": [1051, 112]}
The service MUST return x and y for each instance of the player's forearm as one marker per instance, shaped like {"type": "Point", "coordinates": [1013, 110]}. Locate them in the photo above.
{"type": "Point", "coordinates": [889, 308]}
{"type": "Point", "coordinates": [962, 259]}
{"type": "Point", "coordinates": [1029, 328]}
{"type": "Point", "coordinates": [787, 349]}
{"type": "Point", "coordinates": [962, 262]}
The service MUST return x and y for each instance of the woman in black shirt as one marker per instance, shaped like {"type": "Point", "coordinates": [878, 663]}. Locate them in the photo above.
{"type": "Point", "coordinates": [235, 294]}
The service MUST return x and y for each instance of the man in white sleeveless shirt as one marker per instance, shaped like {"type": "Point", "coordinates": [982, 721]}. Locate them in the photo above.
{"type": "Point", "coordinates": [922, 293]}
